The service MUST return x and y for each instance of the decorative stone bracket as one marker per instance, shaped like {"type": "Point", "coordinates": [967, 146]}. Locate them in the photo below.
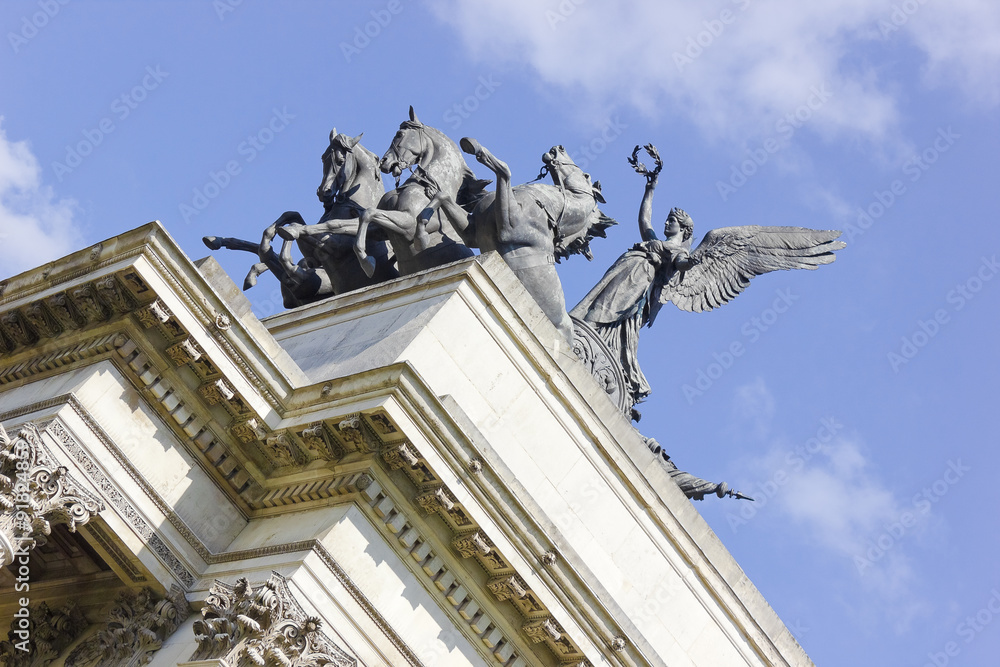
{"type": "Point", "coordinates": [36, 493]}
{"type": "Point", "coordinates": [136, 628]}
{"type": "Point", "coordinates": [262, 625]}
{"type": "Point", "coordinates": [38, 638]}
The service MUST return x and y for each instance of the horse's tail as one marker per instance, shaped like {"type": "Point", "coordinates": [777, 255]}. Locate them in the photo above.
{"type": "Point", "coordinates": [578, 242]}
{"type": "Point", "coordinates": [472, 190]}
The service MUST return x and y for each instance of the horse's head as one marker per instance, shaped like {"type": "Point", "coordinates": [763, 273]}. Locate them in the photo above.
{"type": "Point", "coordinates": [339, 165]}
{"type": "Point", "coordinates": [574, 233]}
{"type": "Point", "coordinates": [408, 146]}
{"type": "Point", "coordinates": [566, 174]}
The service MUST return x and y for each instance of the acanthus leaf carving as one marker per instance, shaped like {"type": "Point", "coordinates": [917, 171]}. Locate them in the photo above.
{"type": "Point", "coordinates": [184, 352]}
{"type": "Point", "coordinates": [41, 321]}
{"type": "Point", "coordinates": [472, 544]}
{"type": "Point", "coordinates": [47, 634]}
{"type": "Point", "coordinates": [353, 433]}
{"type": "Point", "coordinates": [65, 313]}
{"type": "Point", "coordinates": [508, 587]}
{"type": "Point", "coordinates": [539, 631]}
{"type": "Point", "coordinates": [154, 313]}
{"type": "Point", "coordinates": [249, 430]}
{"type": "Point", "coordinates": [136, 628]}
{"type": "Point", "coordinates": [86, 300]}
{"type": "Point", "coordinates": [399, 455]}
{"type": "Point", "coordinates": [17, 328]}
{"type": "Point", "coordinates": [262, 625]}
{"type": "Point", "coordinates": [437, 499]}
{"type": "Point", "coordinates": [283, 450]}
{"type": "Point", "coordinates": [36, 493]}
{"type": "Point", "coordinates": [217, 392]}
{"type": "Point", "coordinates": [319, 442]}
{"type": "Point", "coordinates": [114, 294]}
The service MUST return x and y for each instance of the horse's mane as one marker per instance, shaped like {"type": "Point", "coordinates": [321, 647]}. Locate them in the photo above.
{"type": "Point", "coordinates": [472, 189]}
{"type": "Point", "coordinates": [578, 242]}
{"type": "Point", "coordinates": [370, 162]}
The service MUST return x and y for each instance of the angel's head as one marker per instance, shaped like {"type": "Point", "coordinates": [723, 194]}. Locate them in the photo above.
{"type": "Point", "coordinates": [678, 222]}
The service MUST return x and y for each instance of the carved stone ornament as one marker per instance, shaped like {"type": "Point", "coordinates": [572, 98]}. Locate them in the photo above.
{"type": "Point", "coordinates": [64, 311]}
{"type": "Point", "coordinates": [249, 430]}
{"type": "Point", "coordinates": [86, 301]}
{"type": "Point", "coordinates": [17, 329]}
{"type": "Point", "coordinates": [40, 321]}
{"type": "Point", "coordinates": [472, 544]}
{"type": "Point", "coordinates": [352, 431]}
{"type": "Point", "coordinates": [602, 364]}
{"type": "Point", "coordinates": [35, 493]}
{"type": "Point", "coordinates": [137, 626]}
{"type": "Point", "coordinates": [262, 625]}
{"type": "Point", "coordinates": [114, 294]}
{"type": "Point", "coordinates": [184, 352]}
{"type": "Point", "coordinates": [399, 455]}
{"type": "Point", "coordinates": [508, 587]}
{"type": "Point", "coordinates": [154, 313]}
{"type": "Point", "coordinates": [437, 499]}
{"type": "Point", "coordinates": [35, 640]}
{"type": "Point", "coordinates": [539, 631]}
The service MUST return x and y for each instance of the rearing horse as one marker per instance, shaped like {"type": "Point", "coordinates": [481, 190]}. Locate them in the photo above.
{"type": "Point", "coordinates": [437, 166]}
{"type": "Point", "coordinates": [532, 226]}
{"type": "Point", "coordinates": [351, 184]}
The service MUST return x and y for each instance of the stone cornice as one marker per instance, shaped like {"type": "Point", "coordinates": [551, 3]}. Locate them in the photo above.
{"type": "Point", "coordinates": [276, 442]}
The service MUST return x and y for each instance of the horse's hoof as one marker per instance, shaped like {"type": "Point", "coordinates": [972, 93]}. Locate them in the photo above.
{"type": "Point", "coordinates": [368, 264]}
{"type": "Point", "coordinates": [470, 146]}
{"type": "Point", "coordinates": [213, 242]}
{"type": "Point", "coordinates": [289, 233]}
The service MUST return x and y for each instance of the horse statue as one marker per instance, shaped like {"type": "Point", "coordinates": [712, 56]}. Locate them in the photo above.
{"type": "Point", "coordinates": [532, 226]}
{"type": "Point", "coordinates": [302, 282]}
{"type": "Point", "coordinates": [437, 166]}
{"type": "Point", "coordinates": [351, 182]}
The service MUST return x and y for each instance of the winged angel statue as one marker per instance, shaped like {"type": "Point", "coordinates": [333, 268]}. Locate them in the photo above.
{"type": "Point", "coordinates": [655, 272]}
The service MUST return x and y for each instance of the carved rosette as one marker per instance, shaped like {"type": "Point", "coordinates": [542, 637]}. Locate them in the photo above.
{"type": "Point", "coordinates": [35, 493]}
{"type": "Point", "coordinates": [262, 625]}
{"type": "Point", "coordinates": [47, 634]}
{"type": "Point", "coordinates": [137, 626]}
{"type": "Point", "coordinates": [602, 364]}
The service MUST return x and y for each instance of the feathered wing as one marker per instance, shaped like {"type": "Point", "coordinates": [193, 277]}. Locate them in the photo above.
{"type": "Point", "coordinates": [729, 257]}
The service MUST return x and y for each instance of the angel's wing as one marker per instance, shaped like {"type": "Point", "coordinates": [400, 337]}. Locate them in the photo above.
{"type": "Point", "coordinates": [731, 256]}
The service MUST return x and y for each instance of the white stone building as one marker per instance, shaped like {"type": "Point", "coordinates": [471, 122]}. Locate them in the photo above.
{"type": "Point", "coordinates": [418, 473]}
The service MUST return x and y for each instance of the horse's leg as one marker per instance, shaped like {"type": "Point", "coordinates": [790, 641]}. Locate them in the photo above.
{"type": "Point", "coordinates": [286, 256]}
{"type": "Point", "coordinates": [402, 223]}
{"type": "Point", "coordinates": [255, 271]}
{"type": "Point", "coordinates": [282, 228]}
{"type": "Point", "coordinates": [442, 204]}
{"type": "Point", "coordinates": [361, 242]}
{"type": "Point", "coordinates": [216, 242]}
{"type": "Point", "coordinates": [504, 195]}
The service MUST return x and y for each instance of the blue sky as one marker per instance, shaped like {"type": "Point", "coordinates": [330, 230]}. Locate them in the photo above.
{"type": "Point", "coordinates": [862, 417]}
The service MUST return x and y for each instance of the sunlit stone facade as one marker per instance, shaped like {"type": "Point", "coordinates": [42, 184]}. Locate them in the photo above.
{"type": "Point", "coordinates": [418, 473]}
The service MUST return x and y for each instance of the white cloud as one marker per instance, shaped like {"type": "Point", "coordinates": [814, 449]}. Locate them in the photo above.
{"type": "Point", "coordinates": [832, 499]}
{"type": "Point", "coordinates": [765, 63]}
{"type": "Point", "coordinates": [753, 405]}
{"type": "Point", "coordinates": [35, 226]}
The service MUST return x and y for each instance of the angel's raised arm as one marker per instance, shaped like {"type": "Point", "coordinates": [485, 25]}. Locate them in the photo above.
{"type": "Point", "coordinates": [646, 230]}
